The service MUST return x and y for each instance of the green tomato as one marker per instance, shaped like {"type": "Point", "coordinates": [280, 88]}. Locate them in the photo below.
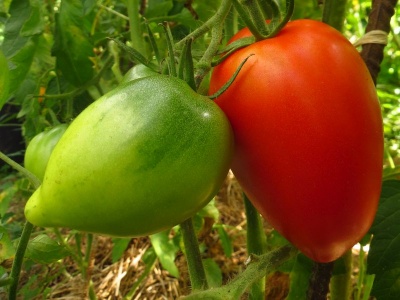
{"type": "Point", "coordinates": [141, 159]}
{"type": "Point", "coordinates": [136, 72]}
{"type": "Point", "coordinates": [38, 152]}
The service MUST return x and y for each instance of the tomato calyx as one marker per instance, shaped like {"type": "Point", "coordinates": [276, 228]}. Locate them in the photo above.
{"type": "Point", "coordinates": [254, 14]}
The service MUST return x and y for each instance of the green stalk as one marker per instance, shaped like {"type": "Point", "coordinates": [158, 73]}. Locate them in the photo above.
{"type": "Point", "coordinates": [334, 13]}
{"type": "Point", "coordinates": [171, 50]}
{"type": "Point", "coordinates": [231, 25]}
{"type": "Point", "coordinates": [257, 16]}
{"type": "Point", "coordinates": [340, 286]}
{"type": "Point", "coordinates": [135, 27]}
{"type": "Point", "coordinates": [245, 16]}
{"type": "Point", "coordinates": [205, 63]}
{"type": "Point", "coordinates": [256, 244]}
{"type": "Point", "coordinates": [195, 265]}
{"type": "Point", "coordinates": [255, 270]}
{"type": "Point", "coordinates": [208, 25]}
{"type": "Point", "coordinates": [32, 178]}
{"type": "Point", "coordinates": [18, 260]}
{"type": "Point", "coordinates": [361, 274]}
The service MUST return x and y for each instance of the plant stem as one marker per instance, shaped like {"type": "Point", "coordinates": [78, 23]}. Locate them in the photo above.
{"type": "Point", "coordinates": [257, 17]}
{"type": "Point", "coordinates": [135, 26]}
{"type": "Point", "coordinates": [204, 64]}
{"type": "Point", "coordinates": [340, 286]}
{"type": "Point", "coordinates": [361, 273]}
{"type": "Point", "coordinates": [379, 19]}
{"type": "Point", "coordinates": [195, 265]}
{"type": "Point", "coordinates": [319, 281]}
{"type": "Point", "coordinates": [334, 13]}
{"type": "Point", "coordinates": [32, 178]}
{"type": "Point", "coordinates": [80, 90]}
{"type": "Point", "coordinates": [18, 260]}
{"type": "Point", "coordinates": [231, 24]}
{"type": "Point", "coordinates": [256, 244]}
{"type": "Point", "coordinates": [255, 270]}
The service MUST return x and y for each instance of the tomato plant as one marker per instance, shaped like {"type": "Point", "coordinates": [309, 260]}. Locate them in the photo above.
{"type": "Point", "coordinates": [308, 135]}
{"type": "Point", "coordinates": [38, 152]}
{"type": "Point", "coordinates": [135, 162]}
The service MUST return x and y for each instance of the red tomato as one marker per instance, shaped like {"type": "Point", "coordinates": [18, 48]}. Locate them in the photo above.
{"type": "Point", "coordinates": [309, 139]}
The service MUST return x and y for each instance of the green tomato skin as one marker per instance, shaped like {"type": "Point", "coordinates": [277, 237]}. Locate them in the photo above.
{"type": "Point", "coordinates": [136, 72]}
{"type": "Point", "coordinates": [38, 152]}
{"type": "Point", "coordinates": [139, 160]}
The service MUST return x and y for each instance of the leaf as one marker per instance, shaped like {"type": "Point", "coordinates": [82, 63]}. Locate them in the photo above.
{"type": "Point", "coordinates": [384, 255]}
{"type": "Point", "coordinates": [226, 241]}
{"type": "Point", "coordinates": [4, 79]}
{"type": "Point", "coordinates": [8, 190]}
{"type": "Point", "coordinates": [157, 8]}
{"type": "Point", "coordinates": [43, 249]}
{"type": "Point", "coordinates": [299, 277]}
{"type": "Point", "coordinates": [119, 247]}
{"type": "Point", "coordinates": [210, 211]}
{"type": "Point", "coordinates": [6, 246]}
{"type": "Point", "coordinates": [18, 46]}
{"type": "Point", "coordinates": [166, 251]}
{"type": "Point", "coordinates": [72, 47]}
{"type": "Point", "coordinates": [213, 273]}
{"type": "Point", "coordinates": [35, 22]}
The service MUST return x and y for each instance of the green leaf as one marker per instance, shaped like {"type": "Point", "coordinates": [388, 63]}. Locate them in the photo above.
{"type": "Point", "coordinates": [6, 246]}
{"type": "Point", "coordinates": [299, 277]}
{"type": "Point", "coordinates": [213, 273]}
{"type": "Point", "coordinates": [226, 241]}
{"type": "Point", "coordinates": [119, 247]}
{"type": "Point", "coordinates": [35, 22]}
{"type": "Point", "coordinates": [88, 5]}
{"type": "Point", "coordinates": [166, 251]}
{"type": "Point", "coordinates": [8, 190]}
{"type": "Point", "coordinates": [384, 255]}
{"type": "Point", "coordinates": [209, 211]}
{"type": "Point", "coordinates": [4, 79]}
{"type": "Point", "coordinates": [43, 249]}
{"type": "Point", "coordinates": [18, 46]}
{"type": "Point", "coordinates": [72, 47]}
{"type": "Point", "coordinates": [157, 8]}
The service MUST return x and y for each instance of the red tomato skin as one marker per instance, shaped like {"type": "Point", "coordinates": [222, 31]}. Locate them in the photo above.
{"type": "Point", "coordinates": [308, 135]}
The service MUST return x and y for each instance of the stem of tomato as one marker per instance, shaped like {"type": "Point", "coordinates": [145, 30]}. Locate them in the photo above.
{"type": "Point", "coordinates": [195, 265]}
{"type": "Point", "coordinates": [340, 285]}
{"type": "Point", "coordinates": [231, 25]}
{"type": "Point", "coordinates": [256, 244]}
{"type": "Point", "coordinates": [254, 271]}
{"type": "Point", "coordinates": [19, 257]}
{"type": "Point", "coordinates": [171, 51]}
{"type": "Point", "coordinates": [32, 178]}
{"type": "Point", "coordinates": [319, 282]}
{"type": "Point", "coordinates": [334, 13]}
{"type": "Point", "coordinates": [205, 63]}
{"type": "Point", "coordinates": [135, 27]}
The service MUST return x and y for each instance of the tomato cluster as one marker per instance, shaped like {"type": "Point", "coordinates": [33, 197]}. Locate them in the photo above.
{"type": "Point", "coordinates": [307, 146]}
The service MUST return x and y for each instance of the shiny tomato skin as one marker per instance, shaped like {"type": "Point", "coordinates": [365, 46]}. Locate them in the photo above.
{"type": "Point", "coordinates": [39, 149]}
{"type": "Point", "coordinates": [308, 135]}
{"type": "Point", "coordinates": [141, 159]}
